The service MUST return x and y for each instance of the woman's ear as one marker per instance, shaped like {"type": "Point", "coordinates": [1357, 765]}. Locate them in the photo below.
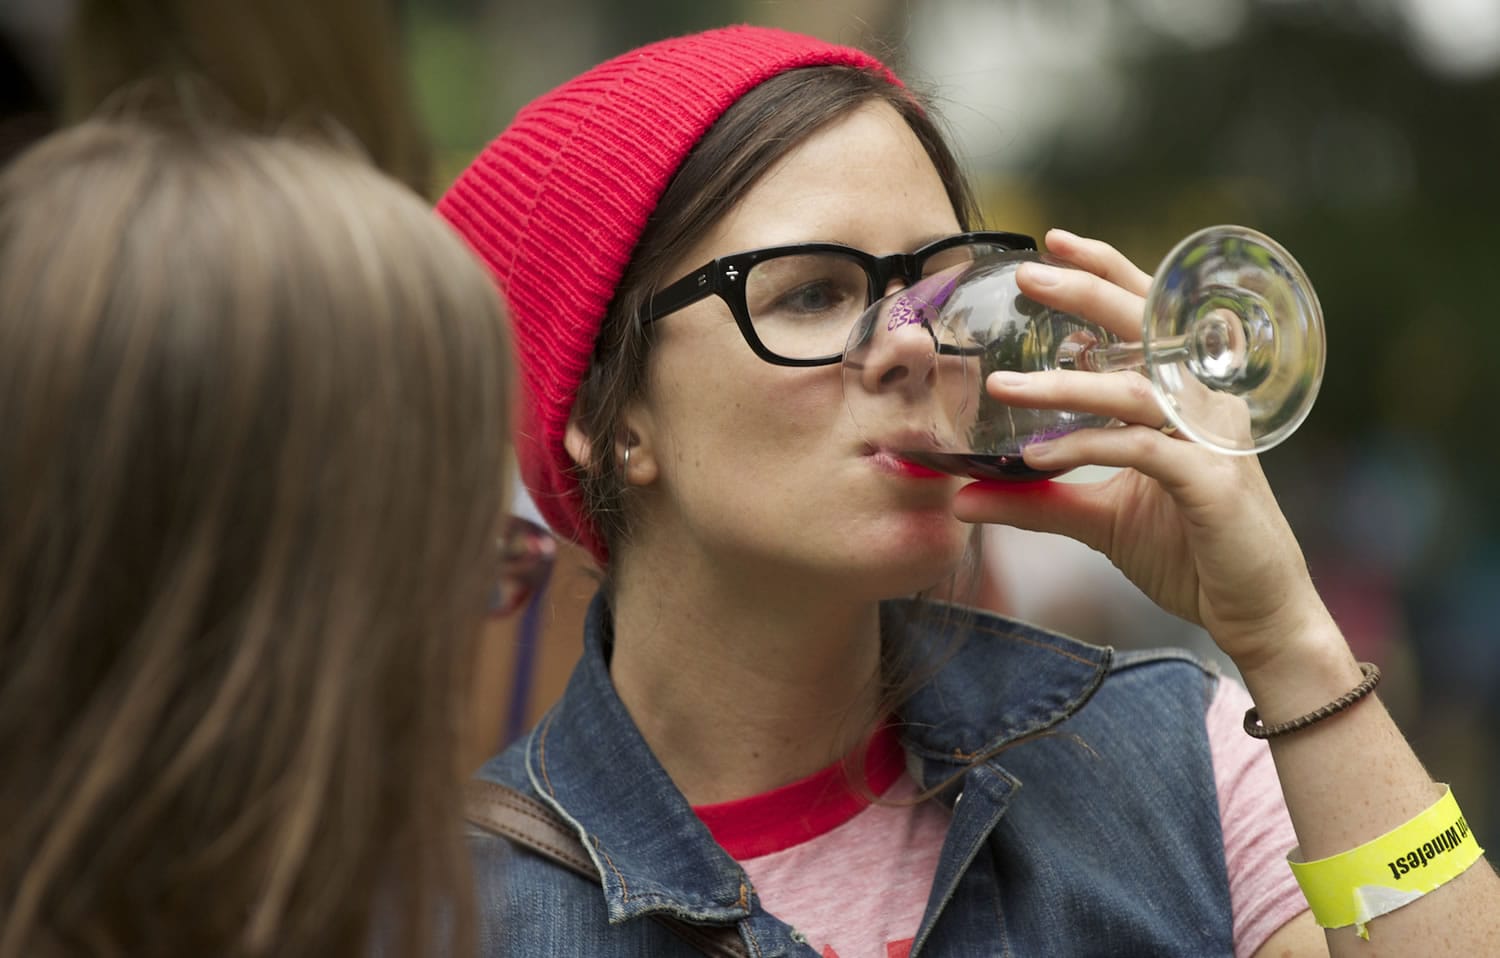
{"type": "Point", "coordinates": [636, 447]}
{"type": "Point", "coordinates": [632, 455]}
{"type": "Point", "coordinates": [576, 442]}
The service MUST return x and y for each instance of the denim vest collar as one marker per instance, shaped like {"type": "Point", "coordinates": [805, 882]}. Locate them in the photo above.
{"type": "Point", "coordinates": [588, 760]}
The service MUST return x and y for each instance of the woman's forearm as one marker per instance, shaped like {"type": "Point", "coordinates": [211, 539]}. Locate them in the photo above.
{"type": "Point", "coordinates": [1351, 778]}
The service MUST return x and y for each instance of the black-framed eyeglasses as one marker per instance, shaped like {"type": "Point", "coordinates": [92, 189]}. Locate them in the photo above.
{"type": "Point", "coordinates": [795, 305]}
{"type": "Point", "coordinates": [526, 553]}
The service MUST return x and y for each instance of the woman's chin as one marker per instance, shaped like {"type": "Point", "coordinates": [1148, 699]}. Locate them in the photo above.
{"type": "Point", "coordinates": [907, 564]}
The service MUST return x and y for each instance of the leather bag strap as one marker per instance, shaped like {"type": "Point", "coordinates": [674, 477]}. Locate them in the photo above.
{"type": "Point", "coordinates": [530, 824]}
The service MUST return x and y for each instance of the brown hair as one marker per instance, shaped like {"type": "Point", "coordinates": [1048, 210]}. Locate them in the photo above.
{"type": "Point", "coordinates": [254, 395]}
{"type": "Point", "coordinates": [747, 140]}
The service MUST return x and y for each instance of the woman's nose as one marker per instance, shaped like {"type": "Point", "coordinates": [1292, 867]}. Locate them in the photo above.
{"type": "Point", "coordinates": [895, 349]}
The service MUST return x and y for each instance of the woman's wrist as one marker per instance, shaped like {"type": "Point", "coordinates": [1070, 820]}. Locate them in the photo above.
{"type": "Point", "coordinates": [1304, 671]}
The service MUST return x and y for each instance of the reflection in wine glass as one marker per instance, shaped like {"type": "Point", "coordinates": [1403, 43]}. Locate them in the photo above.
{"type": "Point", "coordinates": [1232, 340]}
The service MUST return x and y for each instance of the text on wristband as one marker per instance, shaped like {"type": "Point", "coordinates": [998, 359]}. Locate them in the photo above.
{"type": "Point", "coordinates": [1445, 841]}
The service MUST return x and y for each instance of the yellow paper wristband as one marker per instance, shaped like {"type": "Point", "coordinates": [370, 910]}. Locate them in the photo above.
{"type": "Point", "coordinates": [1388, 872]}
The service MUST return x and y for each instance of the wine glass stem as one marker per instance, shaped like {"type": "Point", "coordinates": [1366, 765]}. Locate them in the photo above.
{"type": "Point", "coordinates": [1114, 357]}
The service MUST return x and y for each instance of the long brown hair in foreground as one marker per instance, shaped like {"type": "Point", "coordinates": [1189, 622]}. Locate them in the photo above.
{"type": "Point", "coordinates": [254, 399]}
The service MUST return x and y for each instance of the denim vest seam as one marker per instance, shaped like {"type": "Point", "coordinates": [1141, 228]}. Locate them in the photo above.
{"type": "Point", "coordinates": [1134, 658]}
{"type": "Point", "coordinates": [1013, 636]}
{"type": "Point", "coordinates": [980, 621]}
{"type": "Point", "coordinates": [1000, 921]}
{"type": "Point", "coordinates": [624, 886]}
{"type": "Point", "coordinates": [982, 842]}
{"type": "Point", "coordinates": [748, 934]}
{"type": "Point", "coordinates": [1036, 727]}
{"type": "Point", "coordinates": [1000, 917]}
{"type": "Point", "coordinates": [600, 854]}
{"type": "Point", "coordinates": [541, 755]}
{"type": "Point", "coordinates": [1039, 729]}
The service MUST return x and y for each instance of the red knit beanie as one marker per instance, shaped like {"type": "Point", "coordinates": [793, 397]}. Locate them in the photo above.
{"type": "Point", "coordinates": [556, 204]}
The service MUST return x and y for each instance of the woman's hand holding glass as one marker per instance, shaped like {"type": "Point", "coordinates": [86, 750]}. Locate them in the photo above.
{"type": "Point", "coordinates": [1199, 532]}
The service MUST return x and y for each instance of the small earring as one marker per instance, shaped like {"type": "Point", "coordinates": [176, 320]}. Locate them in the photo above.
{"type": "Point", "coordinates": [625, 467]}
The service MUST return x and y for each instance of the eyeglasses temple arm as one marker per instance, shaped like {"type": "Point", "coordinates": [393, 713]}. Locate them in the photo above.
{"type": "Point", "coordinates": [697, 285]}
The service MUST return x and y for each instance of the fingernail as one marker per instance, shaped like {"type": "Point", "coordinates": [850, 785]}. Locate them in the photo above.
{"type": "Point", "coordinates": [1037, 451]}
{"type": "Point", "coordinates": [1007, 379]}
{"type": "Point", "coordinates": [1039, 274]}
{"type": "Point", "coordinates": [1058, 232]}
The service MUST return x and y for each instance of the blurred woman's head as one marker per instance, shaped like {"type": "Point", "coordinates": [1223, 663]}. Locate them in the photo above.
{"type": "Point", "coordinates": [251, 478]}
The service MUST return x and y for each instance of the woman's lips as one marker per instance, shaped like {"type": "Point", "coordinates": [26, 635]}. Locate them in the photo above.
{"type": "Point", "coordinates": [889, 456]}
{"type": "Point", "coordinates": [918, 471]}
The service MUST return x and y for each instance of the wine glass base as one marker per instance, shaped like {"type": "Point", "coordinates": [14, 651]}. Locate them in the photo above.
{"type": "Point", "coordinates": [1233, 340]}
{"type": "Point", "coordinates": [988, 466]}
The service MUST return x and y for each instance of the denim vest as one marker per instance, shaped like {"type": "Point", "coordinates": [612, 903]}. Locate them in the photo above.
{"type": "Point", "coordinates": [1096, 833]}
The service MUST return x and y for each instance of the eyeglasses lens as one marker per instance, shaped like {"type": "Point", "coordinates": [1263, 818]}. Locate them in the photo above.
{"type": "Point", "coordinates": [526, 554]}
{"type": "Point", "coordinates": [803, 305]}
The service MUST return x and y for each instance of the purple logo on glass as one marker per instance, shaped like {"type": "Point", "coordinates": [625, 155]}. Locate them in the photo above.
{"type": "Point", "coordinates": [918, 304]}
{"type": "Point", "coordinates": [908, 310]}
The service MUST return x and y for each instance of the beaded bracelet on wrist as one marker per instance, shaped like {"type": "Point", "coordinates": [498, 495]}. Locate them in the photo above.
{"type": "Point", "coordinates": [1255, 729]}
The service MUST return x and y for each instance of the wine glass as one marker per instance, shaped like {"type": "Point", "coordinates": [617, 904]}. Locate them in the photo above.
{"type": "Point", "coordinates": [1232, 340]}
